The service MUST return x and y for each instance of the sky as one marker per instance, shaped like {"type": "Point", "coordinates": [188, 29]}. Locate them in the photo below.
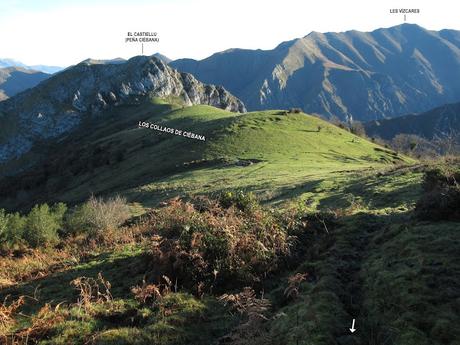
{"type": "Point", "coordinates": [62, 33]}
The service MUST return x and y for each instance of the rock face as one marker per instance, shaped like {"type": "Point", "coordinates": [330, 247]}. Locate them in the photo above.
{"type": "Point", "coordinates": [59, 104]}
{"type": "Point", "coordinates": [360, 75]}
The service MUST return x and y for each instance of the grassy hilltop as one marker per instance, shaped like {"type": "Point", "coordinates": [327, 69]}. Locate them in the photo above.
{"type": "Point", "coordinates": [268, 152]}
{"type": "Point", "coordinates": [280, 228]}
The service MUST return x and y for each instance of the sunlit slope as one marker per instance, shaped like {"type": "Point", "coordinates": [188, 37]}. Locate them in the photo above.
{"type": "Point", "coordinates": [269, 136]}
{"type": "Point", "coordinates": [261, 151]}
{"type": "Point", "coordinates": [267, 152]}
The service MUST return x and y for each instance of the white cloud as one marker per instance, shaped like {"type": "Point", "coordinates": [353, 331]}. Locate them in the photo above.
{"type": "Point", "coordinates": [196, 28]}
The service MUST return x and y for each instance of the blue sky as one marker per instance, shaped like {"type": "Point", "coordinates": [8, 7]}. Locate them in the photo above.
{"type": "Point", "coordinates": [65, 32]}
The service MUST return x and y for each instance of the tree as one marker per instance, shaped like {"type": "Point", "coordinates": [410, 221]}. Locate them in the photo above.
{"type": "Point", "coordinates": [448, 144]}
{"type": "Point", "coordinates": [3, 225]}
{"type": "Point", "coordinates": [11, 229]}
{"type": "Point", "coordinates": [58, 211]}
{"type": "Point", "coordinates": [413, 145]}
{"type": "Point", "coordinates": [15, 230]}
{"type": "Point", "coordinates": [358, 129]}
{"type": "Point", "coordinates": [338, 122]}
{"type": "Point", "coordinates": [42, 225]}
{"type": "Point", "coordinates": [295, 110]}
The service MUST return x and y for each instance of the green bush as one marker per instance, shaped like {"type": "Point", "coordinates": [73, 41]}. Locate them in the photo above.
{"type": "Point", "coordinates": [3, 221]}
{"type": "Point", "coordinates": [76, 220]}
{"type": "Point", "coordinates": [441, 195]}
{"type": "Point", "coordinates": [38, 228]}
{"type": "Point", "coordinates": [241, 200]}
{"type": "Point", "coordinates": [3, 224]}
{"type": "Point", "coordinates": [43, 223]}
{"type": "Point", "coordinates": [15, 230]}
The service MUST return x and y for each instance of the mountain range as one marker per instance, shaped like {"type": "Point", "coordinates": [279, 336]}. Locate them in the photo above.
{"type": "Point", "coordinates": [42, 68]}
{"type": "Point", "coordinates": [88, 90]}
{"type": "Point", "coordinates": [352, 75]}
{"type": "Point", "coordinates": [363, 76]}
{"type": "Point", "coordinates": [17, 79]}
{"type": "Point", "coordinates": [434, 123]}
{"type": "Point", "coordinates": [367, 76]}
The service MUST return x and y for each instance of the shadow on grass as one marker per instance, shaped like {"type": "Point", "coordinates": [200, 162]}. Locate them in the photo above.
{"type": "Point", "coordinates": [396, 276]}
{"type": "Point", "coordinates": [374, 192]}
{"type": "Point", "coordinates": [293, 192]}
{"type": "Point", "coordinates": [122, 272]}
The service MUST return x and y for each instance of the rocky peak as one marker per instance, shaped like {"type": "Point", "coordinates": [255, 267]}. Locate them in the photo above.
{"type": "Point", "coordinates": [58, 105]}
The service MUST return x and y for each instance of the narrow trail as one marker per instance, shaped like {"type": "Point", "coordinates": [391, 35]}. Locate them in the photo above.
{"type": "Point", "coordinates": [350, 251]}
{"type": "Point", "coordinates": [337, 292]}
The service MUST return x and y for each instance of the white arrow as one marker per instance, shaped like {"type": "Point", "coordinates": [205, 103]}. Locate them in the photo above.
{"type": "Point", "coordinates": [352, 329]}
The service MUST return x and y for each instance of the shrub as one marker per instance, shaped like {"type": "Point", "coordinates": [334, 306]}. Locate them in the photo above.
{"type": "Point", "coordinates": [413, 145]}
{"type": "Point", "coordinates": [357, 128]}
{"type": "Point", "coordinates": [241, 200]}
{"type": "Point", "coordinates": [217, 245]}
{"type": "Point", "coordinates": [58, 212]}
{"type": "Point", "coordinates": [96, 216]}
{"type": "Point", "coordinates": [15, 229]}
{"type": "Point", "coordinates": [3, 225]}
{"type": "Point", "coordinates": [43, 223]}
{"type": "Point", "coordinates": [75, 220]}
{"type": "Point", "coordinates": [441, 195]}
{"type": "Point", "coordinates": [295, 110]}
{"type": "Point", "coordinates": [338, 122]}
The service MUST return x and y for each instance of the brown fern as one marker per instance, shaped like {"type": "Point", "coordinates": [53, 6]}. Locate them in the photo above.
{"type": "Point", "coordinates": [92, 290]}
{"type": "Point", "coordinates": [292, 291]}
{"type": "Point", "coordinates": [8, 310]}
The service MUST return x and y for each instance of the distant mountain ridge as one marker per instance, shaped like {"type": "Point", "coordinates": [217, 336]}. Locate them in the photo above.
{"type": "Point", "coordinates": [14, 80]}
{"type": "Point", "coordinates": [11, 63]}
{"type": "Point", "coordinates": [59, 104]}
{"type": "Point", "coordinates": [436, 122]}
{"type": "Point", "coordinates": [352, 75]}
{"type": "Point", "coordinates": [103, 62]}
{"type": "Point", "coordinates": [42, 68]}
{"type": "Point", "coordinates": [162, 57]}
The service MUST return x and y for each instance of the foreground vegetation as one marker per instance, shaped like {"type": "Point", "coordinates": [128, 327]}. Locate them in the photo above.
{"type": "Point", "coordinates": [44, 225]}
{"type": "Point", "coordinates": [380, 246]}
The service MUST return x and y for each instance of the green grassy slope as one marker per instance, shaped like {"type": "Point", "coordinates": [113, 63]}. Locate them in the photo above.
{"type": "Point", "coordinates": [376, 261]}
{"type": "Point", "coordinates": [396, 275]}
{"type": "Point", "coordinates": [274, 155]}
{"type": "Point", "coordinates": [268, 152]}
